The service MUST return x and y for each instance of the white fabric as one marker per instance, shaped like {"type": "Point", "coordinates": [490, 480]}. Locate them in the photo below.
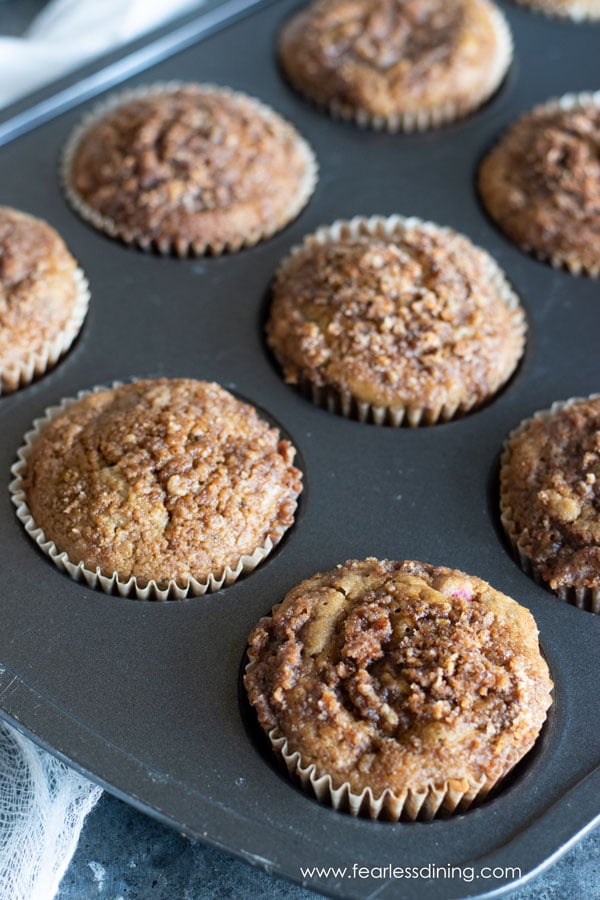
{"type": "Point", "coordinates": [42, 807]}
{"type": "Point", "coordinates": [68, 33]}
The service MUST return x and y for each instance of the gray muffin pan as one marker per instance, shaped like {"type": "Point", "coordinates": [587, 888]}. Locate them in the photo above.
{"type": "Point", "coordinates": [145, 697]}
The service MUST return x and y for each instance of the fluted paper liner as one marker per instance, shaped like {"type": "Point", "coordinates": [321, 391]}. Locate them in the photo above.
{"type": "Point", "coordinates": [20, 374]}
{"type": "Point", "coordinates": [583, 597]}
{"type": "Point", "coordinates": [455, 795]}
{"type": "Point", "coordinates": [344, 402]}
{"type": "Point", "coordinates": [112, 583]}
{"type": "Point", "coordinates": [437, 116]}
{"type": "Point", "coordinates": [181, 246]}
{"type": "Point", "coordinates": [577, 12]}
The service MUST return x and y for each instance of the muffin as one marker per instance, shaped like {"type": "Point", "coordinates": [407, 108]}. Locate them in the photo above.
{"type": "Point", "coordinates": [550, 496]}
{"type": "Point", "coordinates": [43, 298]}
{"type": "Point", "coordinates": [156, 488]}
{"type": "Point", "coordinates": [578, 10]}
{"type": "Point", "coordinates": [397, 64]}
{"type": "Point", "coordinates": [187, 168]}
{"type": "Point", "coordinates": [394, 320]}
{"type": "Point", "coordinates": [398, 688]}
{"type": "Point", "coordinates": [541, 183]}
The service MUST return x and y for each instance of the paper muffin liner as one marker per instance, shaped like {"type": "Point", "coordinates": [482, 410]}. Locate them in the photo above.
{"type": "Point", "coordinates": [20, 374]}
{"type": "Point", "coordinates": [436, 116]}
{"type": "Point", "coordinates": [112, 584]}
{"type": "Point", "coordinates": [583, 597]}
{"type": "Point", "coordinates": [577, 12]}
{"type": "Point", "coordinates": [180, 246]}
{"type": "Point", "coordinates": [454, 795]}
{"type": "Point", "coordinates": [344, 403]}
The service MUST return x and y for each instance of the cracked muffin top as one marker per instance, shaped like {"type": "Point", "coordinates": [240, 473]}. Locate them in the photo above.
{"type": "Point", "coordinates": [541, 184]}
{"type": "Point", "coordinates": [161, 479]}
{"type": "Point", "coordinates": [189, 168]}
{"type": "Point", "coordinates": [38, 287]}
{"type": "Point", "coordinates": [396, 675]}
{"type": "Point", "coordinates": [550, 493]}
{"type": "Point", "coordinates": [393, 58]}
{"type": "Point", "coordinates": [409, 316]}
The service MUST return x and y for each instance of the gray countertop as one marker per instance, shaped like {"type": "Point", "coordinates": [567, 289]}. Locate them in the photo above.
{"type": "Point", "coordinates": [124, 855]}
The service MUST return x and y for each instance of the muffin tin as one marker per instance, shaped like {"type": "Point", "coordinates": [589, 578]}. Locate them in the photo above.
{"type": "Point", "coordinates": [145, 697]}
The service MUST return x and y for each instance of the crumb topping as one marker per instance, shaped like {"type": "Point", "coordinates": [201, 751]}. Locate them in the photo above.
{"type": "Point", "coordinates": [551, 485]}
{"type": "Point", "coordinates": [542, 183]}
{"type": "Point", "coordinates": [395, 675]}
{"type": "Point", "coordinates": [413, 319]}
{"type": "Point", "coordinates": [417, 33]}
{"type": "Point", "coordinates": [164, 480]}
{"type": "Point", "coordinates": [195, 163]}
{"type": "Point", "coordinates": [386, 56]}
{"type": "Point", "coordinates": [37, 286]}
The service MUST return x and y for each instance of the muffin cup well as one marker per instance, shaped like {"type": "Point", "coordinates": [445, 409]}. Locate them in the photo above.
{"type": "Point", "coordinates": [453, 796]}
{"type": "Point", "coordinates": [23, 373]}
{"type": "Point", "coordinates": [583, 597]}
{"type": "Point", "coordinates": [180, 246]}
{"type": "Point", "coordinates": [111, 584]}
{"type": "Point", "coordinates": [436, 116]}
{"type": "Point", "coordinates": [344, 402]}
{"type": "Point", "coordinates": [579, 11]}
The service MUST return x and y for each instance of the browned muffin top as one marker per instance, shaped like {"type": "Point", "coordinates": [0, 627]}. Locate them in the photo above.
{"type": "Point", "coordinates": [194, 164]}
{"type": "Point", "coordinates": [541, 184]}
{"type": "Point", "coordinates": [163, 480]}
{"type": "Point", "coordinates": [417, 317]}
{"type": "Point", "coordinates": [396, 56]}
{"type": "Point", "coordinates": [400, 674]}
{"type": "Point", "coordinates": [550, 493]}
{"type": "Point", "coordinates": [38, 289]}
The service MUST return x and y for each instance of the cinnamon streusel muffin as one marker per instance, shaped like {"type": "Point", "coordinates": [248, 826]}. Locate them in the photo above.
{"type": "Point", "coordinates": [188, 168]}
{"type": "Point", "coordinates": [43, 298]}
{"type": "Point", "coordinates": [397, 64]}
{"type": "Point", "coordinates": [398, 688]}
{"type": "Point", "coordinates": [394, 320]}
{"type": "Point", "coordinates": [578, 10]}
{"type": "Point", "coordinates": [159, 487]}
{"type": "Point", "coordinates": [541, 183]}
{"type": "Point", "coordinates": [550, 497]}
